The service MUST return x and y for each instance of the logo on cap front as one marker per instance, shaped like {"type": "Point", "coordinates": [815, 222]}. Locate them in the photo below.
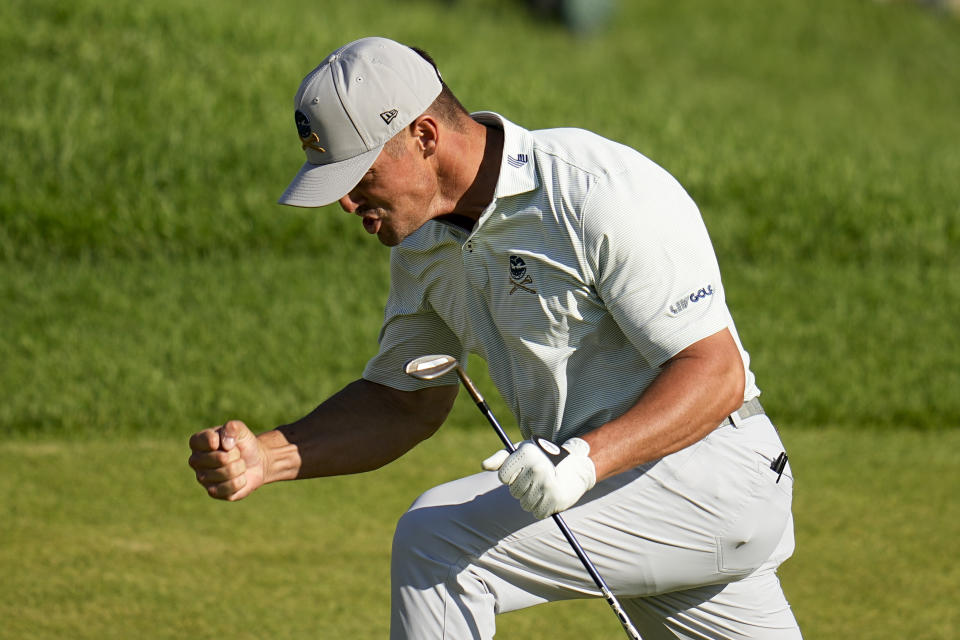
{"type": "Point", "coordinates": [307, 137]}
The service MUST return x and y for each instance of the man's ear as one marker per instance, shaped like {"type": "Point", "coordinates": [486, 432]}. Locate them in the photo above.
{"type": "Point", "coordinates": [426, 130]}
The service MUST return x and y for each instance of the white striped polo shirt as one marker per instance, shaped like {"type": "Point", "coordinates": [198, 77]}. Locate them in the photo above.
{"type": "Point", "coordinates": [589, 269]}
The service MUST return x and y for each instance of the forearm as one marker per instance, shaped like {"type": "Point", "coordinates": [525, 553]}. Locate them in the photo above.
{"type": "Point", "coordinates": [695, 391]}
{"type": "Point", "coordinates": [360, 428]}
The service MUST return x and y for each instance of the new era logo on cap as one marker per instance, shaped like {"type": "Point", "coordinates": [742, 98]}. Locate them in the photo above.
{"type": "Point", "coordinates": [388, 116]}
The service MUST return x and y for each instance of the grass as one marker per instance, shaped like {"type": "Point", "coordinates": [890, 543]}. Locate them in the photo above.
{"type": "Point", "coordinates": [141, 254]}
{"type": "Point", "coordinates": [165, 128]}
{"type": "Point", "coordinates": [128, 546]}
{"type": "Point", "coordinates": [158, 346]}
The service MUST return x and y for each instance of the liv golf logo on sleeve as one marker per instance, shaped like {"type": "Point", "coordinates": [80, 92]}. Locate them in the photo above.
{"type": "Point", "coordinates": [680, 305]}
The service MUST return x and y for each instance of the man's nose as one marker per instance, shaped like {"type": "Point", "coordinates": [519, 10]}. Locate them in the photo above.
{"type": "Point", "coordinates": [350, 202]}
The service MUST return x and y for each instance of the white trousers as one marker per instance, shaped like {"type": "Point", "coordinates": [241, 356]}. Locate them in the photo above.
{"type": "Point", "coordinates": [690, 545]}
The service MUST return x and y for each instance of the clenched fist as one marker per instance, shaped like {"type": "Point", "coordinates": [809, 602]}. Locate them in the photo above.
{"type": "Point", "coordinates": [228, 460]}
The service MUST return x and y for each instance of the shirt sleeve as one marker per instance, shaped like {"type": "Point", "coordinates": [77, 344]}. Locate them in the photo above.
{"type": "Point", "coordinates": [652, 260]}
{"type": "Point", "coordinates": [411, 328]}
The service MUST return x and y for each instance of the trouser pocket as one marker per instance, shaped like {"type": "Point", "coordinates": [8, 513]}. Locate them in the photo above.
{"type": "Point", "coordinates": [732, 494]}
{"type": "Point", "coordinates": [753, 532]}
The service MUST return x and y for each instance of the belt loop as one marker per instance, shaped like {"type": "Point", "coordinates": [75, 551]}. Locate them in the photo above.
{"type": "Point", "coordinates": [735, 420]}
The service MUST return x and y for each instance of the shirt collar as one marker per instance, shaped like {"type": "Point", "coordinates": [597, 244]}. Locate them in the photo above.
{"type": "Point", "coordinates": [517, 171]}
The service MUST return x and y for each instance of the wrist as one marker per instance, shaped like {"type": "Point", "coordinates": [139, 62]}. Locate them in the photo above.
{"type": "Point", "coordinates": [281, 459]}
{"type": "Point", "coordinates": [586, 470]}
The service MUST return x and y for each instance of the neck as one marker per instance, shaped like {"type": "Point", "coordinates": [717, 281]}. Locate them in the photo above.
{"type": "Point", "coordinates": [476, 169]}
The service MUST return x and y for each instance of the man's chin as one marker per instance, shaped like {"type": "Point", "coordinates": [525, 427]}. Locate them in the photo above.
{"type": "Point", "coordinates": [390, 236]}
{"type": "Point", "coordinates": [387, 238]}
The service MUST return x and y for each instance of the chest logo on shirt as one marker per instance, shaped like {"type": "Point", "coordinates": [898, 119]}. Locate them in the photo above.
{"type": "Point", "coordinates": [519, 277]}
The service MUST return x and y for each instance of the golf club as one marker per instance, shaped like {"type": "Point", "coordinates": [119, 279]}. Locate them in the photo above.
{"type": "Point", "coordinates": [432, 367]}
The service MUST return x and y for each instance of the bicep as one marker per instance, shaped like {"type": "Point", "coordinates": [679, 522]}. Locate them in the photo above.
{"type": "Point", "coordinates": [422, 410]}
{"type": "Point", "coordinates": [364, 426]}
{"type": "Point", "coordinates": [714, 364]}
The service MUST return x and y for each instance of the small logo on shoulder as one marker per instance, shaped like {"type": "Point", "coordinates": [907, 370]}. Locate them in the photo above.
{"type": "Point", "coordinates": [518, 275]}
{"type": "Point", "coordinates": [388, 116]}
{"type": "Point", "coordinates": [680, 305]}
{"type": "Point", "coordinates": [517, 161]}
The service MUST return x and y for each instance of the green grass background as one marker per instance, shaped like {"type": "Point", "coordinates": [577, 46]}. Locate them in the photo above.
{"type": "Point", "coordinates": [149, 287]}
{"type": "Point", "coordinates": [102, 540]}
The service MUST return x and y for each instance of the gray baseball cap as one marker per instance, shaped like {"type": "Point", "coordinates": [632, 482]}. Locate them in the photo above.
{"type": "Point", "coordinates": [347, 109]}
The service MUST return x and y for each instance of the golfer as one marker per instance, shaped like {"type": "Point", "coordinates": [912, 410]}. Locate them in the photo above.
{"type": "Point", "coordinates": [582, 273]}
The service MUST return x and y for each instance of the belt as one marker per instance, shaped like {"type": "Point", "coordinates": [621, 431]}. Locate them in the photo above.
{"type": "Point", "coordinates": [748, 409]}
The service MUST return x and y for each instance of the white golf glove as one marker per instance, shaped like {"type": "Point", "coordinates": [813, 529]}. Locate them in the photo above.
{"type": "Point", "coordinates": [543, 477]}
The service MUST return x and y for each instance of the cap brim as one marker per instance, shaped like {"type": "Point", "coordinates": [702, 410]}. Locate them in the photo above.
{"type": "Point", "coordinates": [317, 185]}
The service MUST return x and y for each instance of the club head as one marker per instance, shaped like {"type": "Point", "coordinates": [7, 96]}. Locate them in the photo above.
{"type": "Point", "coordinates": [430, 367]}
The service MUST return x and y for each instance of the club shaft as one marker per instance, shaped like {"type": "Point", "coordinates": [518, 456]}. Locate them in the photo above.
{"type": "Point", "coordinates": [561, 523]}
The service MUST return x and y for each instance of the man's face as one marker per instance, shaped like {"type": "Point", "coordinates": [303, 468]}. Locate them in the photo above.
{"type": "Point", "coordinates": [395, 195]}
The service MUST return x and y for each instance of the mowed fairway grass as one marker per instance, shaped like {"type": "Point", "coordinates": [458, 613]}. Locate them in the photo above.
{"type": "Point", "coordinates": [113, 540]}
{"type": "Point", "coordinates": [150, 287]}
